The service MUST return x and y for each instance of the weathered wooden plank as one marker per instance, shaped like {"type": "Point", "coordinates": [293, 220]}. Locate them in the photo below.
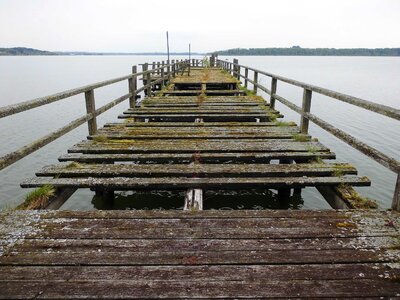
{"type": "Point", "coordinates": [193, 146]}
{"type": "Point", "coordinates": [209, 104]}
{"type": "Point", "coordinates": [196, 169]}
{"type": "Point", "coordinates": [208, 124]}
{"type": "Point", "coordinates": [203, 273]}
{"type": "Point", "coordinates": [201, 129]}
{"type": "Point", "coordinates": [200, 109]}
{"type": "Point", "coordinates": [201, 257]}
{"type": "Point", "coordinates": [207, 92]}
{"type": "Point", "coordinates": [219, 132]}
{"type": "Point", "coordinates": [225, 117]}
{"type": "Point", "coordinates": [125, 183]}
{"type": "Point", "coordinates": [187, 157]}
{"type": "Point", "coordinates": [37, 245]}
{"type": "Point", "coordinates": [380, 217]}
{"type": "Point", "coordinates": [130, 289]}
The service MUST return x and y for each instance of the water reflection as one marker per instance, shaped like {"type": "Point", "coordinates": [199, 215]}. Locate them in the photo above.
{"type": "Point", "coordinates": [257, 199]}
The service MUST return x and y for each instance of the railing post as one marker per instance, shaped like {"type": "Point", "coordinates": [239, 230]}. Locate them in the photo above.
{"type": "Point", "coordinates": [158, 66]}
{"type": "Point", "coordinates": [132, 88]}
{"type": "Point", "coordinates": [274, 83]}
{"type": "Point", "coordinates": [173, 68]}
{"type": "Point", "coordinates": [396, 195]}
{"type": "Point", "coordinates": [255, 79]}
{"type": "Point", "coordinates": [246, 76]}
{"type": "Point", "coordinates": [305, 109]}
{"type": "Point", "coordinates": [144, 76]}
{"type": "Point", "coordinates": [91, 109]}
{"type": "Point", "coordinates": [162, 77]}
{"type": "Point", "coordinates": [235, 69]}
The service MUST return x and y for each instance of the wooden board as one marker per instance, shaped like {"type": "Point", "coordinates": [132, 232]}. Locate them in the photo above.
{"type": "Point", "coordinates": [179, 183]}
{"type": "Point", "coordinates": [207, 254]}
{"type": "Point", "coordinates": [187, 157]}
{"type": "Point", "coordinates": [196, 145]}
{"type": "Point", "coordinates": [196, 169]}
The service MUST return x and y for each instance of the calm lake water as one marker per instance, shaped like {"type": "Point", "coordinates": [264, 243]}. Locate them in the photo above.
{"type": "Point", "coordinates": [371, 78]}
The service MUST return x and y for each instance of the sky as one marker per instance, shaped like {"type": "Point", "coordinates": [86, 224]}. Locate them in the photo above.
{"type": "Point", "coordinates": [209, 25]}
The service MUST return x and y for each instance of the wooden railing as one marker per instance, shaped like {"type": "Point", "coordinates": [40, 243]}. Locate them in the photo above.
{"type": "Point", "coordinates": [392, 164]}
{"type": "Point", "coordinates": [165, 70]}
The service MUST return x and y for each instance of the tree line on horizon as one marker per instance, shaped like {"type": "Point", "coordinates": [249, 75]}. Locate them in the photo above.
{"type": "Point", "coordinates": [298, 51]}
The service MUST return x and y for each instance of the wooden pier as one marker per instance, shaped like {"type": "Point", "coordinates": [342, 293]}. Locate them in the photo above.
{"type": "Point", "coordinates": [199, 129]}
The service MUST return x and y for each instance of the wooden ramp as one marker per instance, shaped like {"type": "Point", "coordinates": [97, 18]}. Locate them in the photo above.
{"type": "Point", "coordinates": [207, 254]}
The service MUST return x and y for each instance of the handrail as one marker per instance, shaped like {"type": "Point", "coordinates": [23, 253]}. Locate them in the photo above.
{"type": "Point", "coordinates": [92, 113]}
{"type": "Point", "coordinates": [27, 105]}
{"type": "Point", "coordinates": [385, 110]}
{"type": "Point", "coordinates": [385, 160]}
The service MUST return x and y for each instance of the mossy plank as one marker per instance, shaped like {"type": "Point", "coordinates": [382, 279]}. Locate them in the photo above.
{"type": "Point", "coordinates": [171, 183]}
{"type": "Point", "coordinates": [193, 124]}
{"type": "Point", "coordinates": [188, 157]}
{"type": "Point", "coordinates": [197, 169]}
{"type": "Point", "coordinates": [195, 145]}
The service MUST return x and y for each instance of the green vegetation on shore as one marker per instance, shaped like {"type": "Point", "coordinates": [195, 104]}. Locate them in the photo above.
{"type": "Point", "coordinates": [298, 51]}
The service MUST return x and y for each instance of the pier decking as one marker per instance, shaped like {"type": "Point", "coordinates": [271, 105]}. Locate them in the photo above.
{"type": "Point", "coordinates": [199, 130]}
{"type": "Point", "coordinates": [206, 254]}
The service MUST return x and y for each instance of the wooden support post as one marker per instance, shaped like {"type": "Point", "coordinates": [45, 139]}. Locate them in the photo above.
{"type": "Point", "coordinates": [255, 79]}
{"type": "Point", "coordinates": [91, 109]}
{"type": "Point", "coordinates": [193, 199]}
{"type": "Point", "coordinates": [333, 198]}
{"type": "Point", "coordinates": [162, 76]}
{"type": "Point", "coordinates": [154, 65]}
{"type": "Point", "coordinates": [246, 76]}
{"type": "Point", "coordinates": [307, 94]}
{"type": "Point", "coordinates": [61, 195]}
{"type": "Point", "coordinates": [173, 68]}
{"type": "Point", "coordinates": [132, 82]}
{"type": "Point", "coordinates": [145, 79]}
{"type": "Point", "coordinates": [158, 66]}
{"type": "Point", "coordinates": [396, 195]}
{"type": "Point", "coordinates": [236, 68]}
{"type": "Point", "coordinates": [274, 83]}
{"type": "Point", "coordinates": [284, 194]}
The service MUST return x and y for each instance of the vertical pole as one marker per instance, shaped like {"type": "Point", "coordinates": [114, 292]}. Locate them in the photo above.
{"type": "Point", "coordinates": [396, 195]}
{"type": "Point", "coordinates": [246, 76]}
{"type": "Point", "coordinates": [167, 48]}
{"type": "Point", "coordinates": [154, 65]}
{"type": "Point", "coordinates": [162, 72]}
{"type": "Point", "coordinates": [274, 83]}
{"type": "Point", "coordinates": [173, 67]}
{"type": "Point", "coordinates": [255, 82]}
{"type": "Point", "coordinates": [144, 76]}
{"type": "Point", "coordinates": [91, 109]}
{"type": "Point", "coordinates": [189, 62]}
{"type": "Point", "coordinates": [132, 82]}
{"type": "Point", "coordinates": [235, 62]}
{"type": "Point", "coordinates": [305, 109]}
{"type": "Point", "coordinates": [162, 76]}
{"type": "Point", "coordinates": [158, 67]}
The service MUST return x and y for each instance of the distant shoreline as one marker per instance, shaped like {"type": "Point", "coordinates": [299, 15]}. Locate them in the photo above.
{"type": "Point", "coordinates": [298, 51]}
{"type": "Point", "coordinates": [293, 51]}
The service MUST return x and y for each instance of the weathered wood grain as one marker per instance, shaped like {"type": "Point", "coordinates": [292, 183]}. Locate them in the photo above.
{"type": "Point", "coordinates": [193, 146]}
{"type": "Point", "coordinates": [203, 254]}
{"type": "Point", "coordinates": [196, 169]}
{"type": "Point", "coordinates": [187, 157]}
{"type": "Point", "coordinates": [128, 183]}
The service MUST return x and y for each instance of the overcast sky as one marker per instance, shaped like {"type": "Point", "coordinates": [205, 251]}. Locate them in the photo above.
{"type": "Point", "coordinates": [136, 26]}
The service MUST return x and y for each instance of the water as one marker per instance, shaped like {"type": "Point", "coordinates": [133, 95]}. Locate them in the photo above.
{"type": "Point", "coordinates": [370, 78]}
